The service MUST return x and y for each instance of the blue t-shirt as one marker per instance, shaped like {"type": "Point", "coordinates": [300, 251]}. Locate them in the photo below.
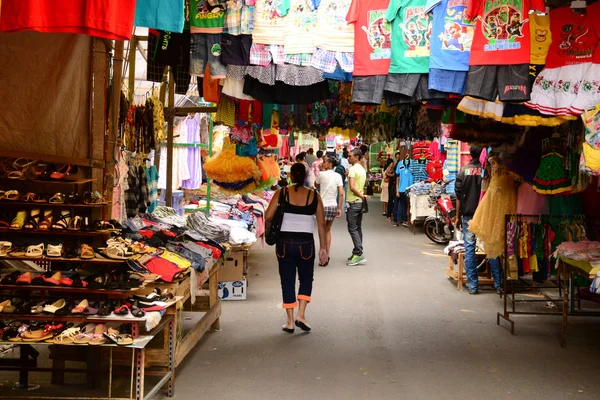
{"type": "Point", "coordinates": [164, 15]}
{"type": "Point", "coordinates": [405, 178]}
{"type": "Point", "coordinates": [452, 35]}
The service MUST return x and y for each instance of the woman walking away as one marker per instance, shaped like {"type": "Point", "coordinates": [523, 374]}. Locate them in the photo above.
{"type": "Point", "coordinates": [295, 247]}
{"type": "Point", "coordinates": [331, 186]}
{"type": "Point", "coordinates": [385, 192]}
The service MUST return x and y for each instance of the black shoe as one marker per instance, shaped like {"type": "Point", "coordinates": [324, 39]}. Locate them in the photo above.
{"type": "Point", "coordinates": [288, 330]}
{"type": "Point", "coordinates": [474, 292]}
{"type": "Point", "coordinates": [499, 291]}
{"type": "Point", "coordinates": [303, 326]}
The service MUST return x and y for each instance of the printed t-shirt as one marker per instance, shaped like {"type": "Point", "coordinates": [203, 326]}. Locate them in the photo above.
{"type": "Point", "coordinates": [329, 182]}
{"type": "Point", "coordinates": [502, 31]}
{"type": "Point", "coordinates": [574, 38]}
{"type": "Point", "coordinates": [269, 25]}
{"type": "Point", "coordinates": [541, 37]}
{"type": "Point", "coordinates": [451, 36]}
{"type": "Point", "coordinates": [165, 15]}
{"type": "Point", "coordinates": [207, 16]}
{"type": "Point", "coordinates": [411, 34]}
{"type": "Point", "coordinates": [360, 177]}
{"type": "Point", "coordinates": [110, 19]}
{"type": "Point", "coordinates": [593, 12]}
{"type": "Point", "coordinates": [300, 18]}
{"type": "Point", "coordinates": [335, 34]}
{"type": "Point", "coordinates": [372, 37]}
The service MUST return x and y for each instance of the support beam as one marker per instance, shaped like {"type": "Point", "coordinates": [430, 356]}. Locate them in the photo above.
{"type": "Point", "coordinates": [169, 190]}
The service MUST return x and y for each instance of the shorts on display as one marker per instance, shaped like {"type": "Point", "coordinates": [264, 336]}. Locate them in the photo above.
{"type": "Point", "coordinates": [176, 53]}
{"type": "Point", "coordinates": [206, 49]}
{"type": "Point", "coordinates": [368, 89]}
{"type": "Point", "coordinates": [507, 82]}
{"type": "Point", "coordinates": [265, 54]}
{"type": "Point", "coordinates": [282, 93]}
{"type": "Point", "coordinates": [235, 50]}
{"type": "Point", "coordinates": [424, 93]}
{"type": "Point", "coordinates": [448, 81]}
{"type": "Point", "coordinates": [404, 84]}
{"type": "Point", "coordinates": [327, 61]}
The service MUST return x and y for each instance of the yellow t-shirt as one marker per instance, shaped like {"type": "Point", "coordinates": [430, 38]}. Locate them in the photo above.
{"type": "Point", "coordinates": [540, 37]}
{"type": "Point", "coordinates": [360, 177]}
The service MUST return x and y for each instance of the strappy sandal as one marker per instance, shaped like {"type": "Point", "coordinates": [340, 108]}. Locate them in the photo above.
{"type": "Point", "coordinates": [33, 219]}
{"type": "Point", "coordinates": [67, 336]}
{"type": "Point", "coordinates": [47, 221]}
{"type": "Point", "coordinates": [54, 250]}
{"type": "Point", "coordinates": [63, 221]}
{"type": "Point", "coordinates": [122, 339]}
{"type": "Point", "coordinates": [36, 171]}
{"type": "Point", "coordinates": [58, 198]}
{"type": "Point", "coordinates": [5, 248]}
{"type": "Point", "coordinates": [73, 198]}
{"type": "Point", "coordinates": [19, 220]}
{"type": "Point", "coordinates": [75, 224]}
{"type": "Point", "coordinates": [35, 251]}
{"type": "Point", "coordinates": [12, 195]}
{"type": "Point", "coordinates": [98, 338]}
{"type": "Point", "coordinates": [61, 172]}
{"type": "Point", "coordinates": [85, 334]}
{"type": "Point", "coordinates": [42, 198]}
{"type": "Point", "coordinates": [29, 197]}
{"type": "Point", "coordinates": [86, 252]}
{"type": "Point", "coordinates": [117, 253]}
{"type": "Point", "coordinates": [17, 251]}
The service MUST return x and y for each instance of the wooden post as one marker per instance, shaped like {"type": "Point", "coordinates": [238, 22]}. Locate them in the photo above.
{"type": "Point", "coordinates": [98, 112]}
{"type": "Point", "coordinates": [169, 190]}
{"type": "Point", "coordinates": [132, 51]}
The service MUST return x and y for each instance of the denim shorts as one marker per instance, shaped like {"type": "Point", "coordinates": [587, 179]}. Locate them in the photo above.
{"type": "Point", "coordinates": [446, 80]}
{"type": "Point", "coordinates": [368, 89]}
{"type": "Point", "coordinates": [507, 82]}
{"type": "Point", "coordinates": [404, 84]}
{"type": "Point", "coordinates": [205, 48]}
{"type": "Point", "coordinates": [236, 49]}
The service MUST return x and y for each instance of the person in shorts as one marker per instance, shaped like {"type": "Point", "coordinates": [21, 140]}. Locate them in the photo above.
{"type": "Point", "coordinates": [331, 188]}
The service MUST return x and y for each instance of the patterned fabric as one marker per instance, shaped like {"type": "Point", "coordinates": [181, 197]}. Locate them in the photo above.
{"type": "Point", "coordinates": [327, 60]}
{"type": "Point", "coordinates": [552, 176]}
{"type": "Point", "coordinates": [418, 170]}
{"type": "Point", "coordinates": [303, 59]}
{"type": "Point", "coordinates": [247, 18]}
{"type": "Point", "coordinates": [226, 111]}
{"type": "Point", "coordinates": [330, 213]}
{"type": "Point", "coordinates": [591, 120]}
{"type": "Point", "coordinates": [152, 178]}
{"type": "Point", "coordinates": [264, 54]}
{"type": "Point", "coordinates": [298, 76]}
{"type": "Point", "coordinates": [233, 17]}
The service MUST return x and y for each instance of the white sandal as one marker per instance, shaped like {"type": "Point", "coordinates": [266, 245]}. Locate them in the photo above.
{"type": "Point", "coordinates": [67, 336]}
{"type": "Point", "coordinates": [5, 248]}
{"type": "Point", "coordinates": [35, 251]}
{"type": "Point", "coordinates": [54, 251]}
{"type": "Point", "coordinates": [117, 252]}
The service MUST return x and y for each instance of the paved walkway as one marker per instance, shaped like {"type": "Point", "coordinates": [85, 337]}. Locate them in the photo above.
{"type": "Point", "coordinates": [395, 328]}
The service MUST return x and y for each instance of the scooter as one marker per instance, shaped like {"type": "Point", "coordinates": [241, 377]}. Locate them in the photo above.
{"type": "Point", "coordinates": [440, 228]}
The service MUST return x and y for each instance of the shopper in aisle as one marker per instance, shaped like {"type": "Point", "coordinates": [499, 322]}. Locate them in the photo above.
{"type": "Point", "coordinates": [391, 174]}
{"type": "Point", "coordinates": [331, 189]}
{"type": "Point", "coordinates": [295, 247]}
{"type": "Point", "coordinates": [357, 177]}
{"type": "Point", "coordinates": [404, 180]}
{"type": "Point", "coordinates": [468, 191]}
{"type": "Point", "coordinates": [344, 163]}
{"type": "Point", "coordinates": [310, 157]}
{"type": "Point", "coordinates": [316, 166]}
{"type": "Point", "coordinates": [301, 159]}
{"type": "Point", "coordinates": [385, 183]}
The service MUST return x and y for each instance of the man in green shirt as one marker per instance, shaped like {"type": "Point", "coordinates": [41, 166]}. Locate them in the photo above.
{"type": "Point", "coordinates": [357, 177]}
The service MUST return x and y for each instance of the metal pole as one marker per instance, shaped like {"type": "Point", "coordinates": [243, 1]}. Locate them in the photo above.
{"type": "Point", "coordinates": [210, 153]}
{"type": "Point", "coordinates": [169, 189]}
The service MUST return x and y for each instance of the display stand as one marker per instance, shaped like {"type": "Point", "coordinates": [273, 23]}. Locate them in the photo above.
{"type": "Point", "coordinates": [563, 283]}
{"type": "Point", "coordinates": [459, 276]}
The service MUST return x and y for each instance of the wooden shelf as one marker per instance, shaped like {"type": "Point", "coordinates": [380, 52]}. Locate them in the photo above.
{"type": "Point", "coordinates": [51, 232]}
{"type": "Point", "coordinates": [48, 205]}
{"type": "Point", "coordinates": [69, 318]}
{"type": "Point", "coordinates": [67, 289]}
{"type": "Point", "coordinates": [97, 260]}
{"type": "Point", "coordinates": [52, 182]}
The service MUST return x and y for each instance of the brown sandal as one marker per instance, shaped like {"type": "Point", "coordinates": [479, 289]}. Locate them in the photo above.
{"type": "Point", "coordinates": [47, 221]}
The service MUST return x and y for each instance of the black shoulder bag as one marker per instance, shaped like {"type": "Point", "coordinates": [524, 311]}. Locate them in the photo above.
{"type": "Point", "coordinates": [275, 227]}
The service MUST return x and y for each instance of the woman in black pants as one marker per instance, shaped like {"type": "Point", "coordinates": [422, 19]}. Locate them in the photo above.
{"type": "Point", "coordinates": [390, 172]}
{"type": "Point", "coordinates": [295, 247]}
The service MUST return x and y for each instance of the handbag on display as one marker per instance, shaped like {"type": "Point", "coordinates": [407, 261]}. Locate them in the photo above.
{"type": "Point", "coordinates": [275, 227]}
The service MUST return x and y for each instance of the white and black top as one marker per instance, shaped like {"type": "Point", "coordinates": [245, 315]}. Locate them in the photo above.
{"type": "Point", "coordinates": [299, 221]}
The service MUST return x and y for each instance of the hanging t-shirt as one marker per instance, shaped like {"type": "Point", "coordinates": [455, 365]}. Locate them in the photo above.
{"type": "Point", "coordinates": [593, 12]}
{"type": "Point", "coordinates": [207, 16]}
{"type": "Point", "coordinates": [411, 34]}
{"type": "Point", "coordinates": [372, 37]}
{"type": "Point", "coordinates": [335, 34]}
{"type": "Point", "coordinates": [502, 30]}
{"type": "Point", "coordinates": [451, 36]}
{"type": "Point", "coordinates": [165, 15]}
{"type": "Point", "coordinates": [541, 37]}
{"type": "Point", "coordinates": [574, 38]}
{"type": "Point", "coordinates": [109, 19]}
{"type": "Point", "coordinates": [269, 25]}
{"type": "Point", "coordinates": [300, 24]}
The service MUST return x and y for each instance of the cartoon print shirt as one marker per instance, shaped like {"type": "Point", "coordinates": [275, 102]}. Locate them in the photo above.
{"type": "Point", "coordinates": [269, 25]}
{"type": "Point", "coordinates": [207, 16]}
{"type": "Point", "coordinates": [372, 37]}
{"type": "Point", "coordinates": [451, 36]}
{"type": "Point", "coordinates": [502, 31]}
{"type": "Point", "coordinates": [573, 37]}
{"type": "Point", "coordinates": [411, 36]}
{"type": "Point", "coordinates": [539, 30]}
{"type": "Point", "coordinates": [335, 34]}
{"type": "Point", "coordinates": [300, 18]}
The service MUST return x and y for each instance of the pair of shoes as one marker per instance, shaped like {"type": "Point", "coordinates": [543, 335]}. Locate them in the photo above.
{"type": "Point", "coordinates": [356, 260]}
{"type": "Point", "coordinates": [473, 291]}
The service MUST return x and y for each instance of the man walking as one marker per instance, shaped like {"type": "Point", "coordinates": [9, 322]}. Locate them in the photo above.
{"type": "Point", "coordinates": [357, 177]}
{"type": "Point", "coordinates": [468, 191]}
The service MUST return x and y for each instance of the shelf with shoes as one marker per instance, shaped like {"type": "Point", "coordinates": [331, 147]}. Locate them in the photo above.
{"type": "Point", "coordinates": [51, 182]}
{"type": "Point", "coordinates": [30, 204]}
{"type": "Point", "coordinates": [51, 232]}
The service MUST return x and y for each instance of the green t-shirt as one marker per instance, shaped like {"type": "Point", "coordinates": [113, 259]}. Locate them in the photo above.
{"type": "Point", "coordinates": [411, 36]}
{"type": "Point", "coordinates": [207, 16]}
{"type": "Point", "coordinates": [360, 177]}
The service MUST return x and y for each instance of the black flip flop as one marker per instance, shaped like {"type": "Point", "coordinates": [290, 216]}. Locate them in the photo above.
{"type": "Point", "coordinates": [288, 330]}
{"type": "Point", "coordinates": [303, 326]}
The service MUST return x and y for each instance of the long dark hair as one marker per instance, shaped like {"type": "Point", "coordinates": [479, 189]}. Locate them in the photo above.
{"type": "Point", "coordinates": [298, 174]}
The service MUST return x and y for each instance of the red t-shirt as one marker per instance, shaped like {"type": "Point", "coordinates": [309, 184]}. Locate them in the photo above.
{"type": "Point", "coordinates": [502, 31]}
{"type": "Point", "coordinates": [110, 19]}
{"type": "Point", "coordinates": [372, 37]}
{"type": "Point", "coordinates": [574, 38]}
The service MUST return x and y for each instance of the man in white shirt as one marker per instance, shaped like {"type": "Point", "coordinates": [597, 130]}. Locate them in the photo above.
{"type": "Point", "coordinates": [331, 186]}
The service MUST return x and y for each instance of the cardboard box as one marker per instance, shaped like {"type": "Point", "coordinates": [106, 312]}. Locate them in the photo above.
{"type": "Point", "coordinates": [236, 290]}
{"type": "Point", "coordinates": [233, 268]}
